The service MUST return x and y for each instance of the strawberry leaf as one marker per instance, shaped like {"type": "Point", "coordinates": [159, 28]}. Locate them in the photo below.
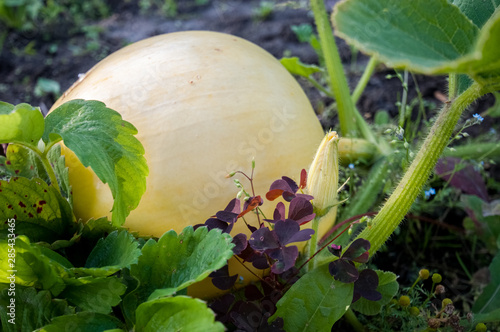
{"type": "Point", "coordinates": [41, 213]}
{"type": "Point", "coordinates": [101, 139]}
{"type": "Point", "coordinates": [84, 321]}
{"type": "Point", "coordinates": [178, 313]}
{"type": "Point", "coordinates": [20, 124]}
{"type": "Point", "coordinates": [37, 309]}
{"type": "Point", "coordinates": [82, 293]}
{"type": "Point", "coordinates": [177, 261]}
{"type": "Point", "coordinates": [118, 250]}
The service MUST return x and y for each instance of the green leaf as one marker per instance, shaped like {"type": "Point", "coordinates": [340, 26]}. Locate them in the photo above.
{"type": "Point", "coordinates": [417, 34]}
{"type": "Point", "coordinates": [477, 11]}
{"type": "Point", "coordinates": [56, 258]}
{"type": "Point", "coordinates": [21, 161]}
{"type": "Point", "coordinates": [94, 294]}
{"type": "Point", "coordinates": [116, 251]}
{"type": "Point", "coordinates": [387, 286]}
{"type": "Point", "coordinates": [177, 261]}
{"type": "Point", "coordinates": [45, 86]}
{"type": "Point", "coordinates": [490, 317]}
{"type": "Point", "coordinates": [83, 321]}
{"type": "Point", "coordinates": [489, 231]}
{"type": "Point", "coordinates": [489, 300]}
{"type": "Point", "coordinates": [178, 313]}
{"type": "Point", "coordinates": [62, 172]}
{"type": "Point", "coordinates": [315, 302]}
{"type": "Point", "coordinates": [485, 66]}
{"type": "Point", "coordinates": [33, 269]}
{"type": "Point", "coordinates": [494, 111]}
{"type": "Point", "coordinates": [303, 32]}
{"type": "Point", "coordinates": [430, 37]}
{"type": "Point", "coordinates": [32, 309]}
{"type": "Point", "coordinates": [41, 213]}
{"type": "Point", "coordinates": [296, 67]}
{"type": "Point", "coordinates": [21, 124]}
{"type": "Point", "coordinates": [102, 140]}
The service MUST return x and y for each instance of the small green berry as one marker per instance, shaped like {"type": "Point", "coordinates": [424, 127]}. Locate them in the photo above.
{"type": "Point", "coordinates": [445, 302]}
{"type": "Point", "coordinates": [423, 274]}
{"type": "Point", "coordinates": [414, 311]}
{"type": "Point", "coordinates": [404, 301]}
{"type": "Point", "coordinates": [481, 327]}
{"type": "Point", "coordinates": [436, 278]}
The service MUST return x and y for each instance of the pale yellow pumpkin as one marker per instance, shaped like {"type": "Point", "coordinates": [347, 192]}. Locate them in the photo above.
{"type": "Point", "coordinates": [205, 104]}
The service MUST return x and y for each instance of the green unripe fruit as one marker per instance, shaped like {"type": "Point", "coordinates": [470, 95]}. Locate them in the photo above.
{"type": "Point", "coordinates": [481, 327]}
{"type": "Point", "coordinates": [414, 311]}
{"type": "Point", "coordinates": [445, 302]}
{"type": "Point", "coordinates": [423, 274]}
{"type": "Point", "coordinates": [404, 301]}
{"type": "Point", "coordinates": [436, 278]}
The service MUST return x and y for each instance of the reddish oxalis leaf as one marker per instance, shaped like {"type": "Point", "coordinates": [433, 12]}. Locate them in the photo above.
{"type": "Point", "coordinates": [463, 176]}
{"type": "Point", "coordinates": [252, 205]}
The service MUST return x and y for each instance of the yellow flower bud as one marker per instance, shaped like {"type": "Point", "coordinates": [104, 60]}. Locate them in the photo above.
{"type": "Point", "coordinates": [323, 175]}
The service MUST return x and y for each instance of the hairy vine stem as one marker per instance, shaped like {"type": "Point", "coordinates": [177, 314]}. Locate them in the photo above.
{"type": "Point", "coordinates": [398, 204]}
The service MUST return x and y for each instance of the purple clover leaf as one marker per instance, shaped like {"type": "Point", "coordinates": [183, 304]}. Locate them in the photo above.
{"type": "Point", "coordinates": [279, 212]}
{"type": "Point", "coordinates": [225, 219]}
{"type": "Point", "coordinates": [358, 251]}
{"type": "Point", "coordinates": [300, 210]}
{"type": "Point", "coordinates": [221, 278]}
{"type": "Point", "coordinates": [344, 269]}
{"type": "Point", "coordinates": [240, 243]}
{"type": "Point", "coordinates": [258, 259]}
{"type": "Point", "coordinates": [273, 243]}
{"type": "Point", "coordinates": [335, 250]}
{"type": "Point", "coordinates": [287, 188]}
{"type": "Point", "coordinates": [366, 286]}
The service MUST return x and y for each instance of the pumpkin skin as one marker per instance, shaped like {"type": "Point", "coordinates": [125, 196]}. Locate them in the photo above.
{"type": "Point", "coordinates": [205, 104]}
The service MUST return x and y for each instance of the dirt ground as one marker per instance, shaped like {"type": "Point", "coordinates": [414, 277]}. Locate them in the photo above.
{"type": "Point", "coordinates": [53, 53]}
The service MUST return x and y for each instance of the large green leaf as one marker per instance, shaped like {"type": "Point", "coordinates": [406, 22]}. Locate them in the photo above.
{"type": "Point", "coordinates": [33, 269]}
{"type": "Point", "coordinates": [485, 68]}
{"type": "Point", "coordinates": [94, 294]}
{"type": "Point", "coordinates": [432, 37]}
{"type": "Point", "coordinates": [387, 286]}
{"type": "Point", "coordinates": [489, 300]}
{"type": "Point", "coordinates": [177, 261]}
{"type": "Point", "coordinates": [83, 321]}
{"type": "Point", "coordinates": [41, 213]}
{"type": "Point", "coordinates": [419, 34]}
{"type": "Point", "coordinates": [20, 124]}
{"type": "Point", "coordinates": [21, 161]}
{"type": "Point", "coordinates": [178, 313]}
{"type": "Point", "coordinates": [101, 139]}
{"type": "Point", "coordinates": [477, 11]}
{"type": "Point", "coordinates": [118, 250]}
{"type": "Point", "coordinates": [32, 309]}
{"type": "Point", "coordinates": [315, 302]}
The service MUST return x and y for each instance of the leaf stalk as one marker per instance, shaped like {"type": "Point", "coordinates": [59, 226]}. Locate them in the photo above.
{"type": "Point", "coordinates": [398, 204]}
